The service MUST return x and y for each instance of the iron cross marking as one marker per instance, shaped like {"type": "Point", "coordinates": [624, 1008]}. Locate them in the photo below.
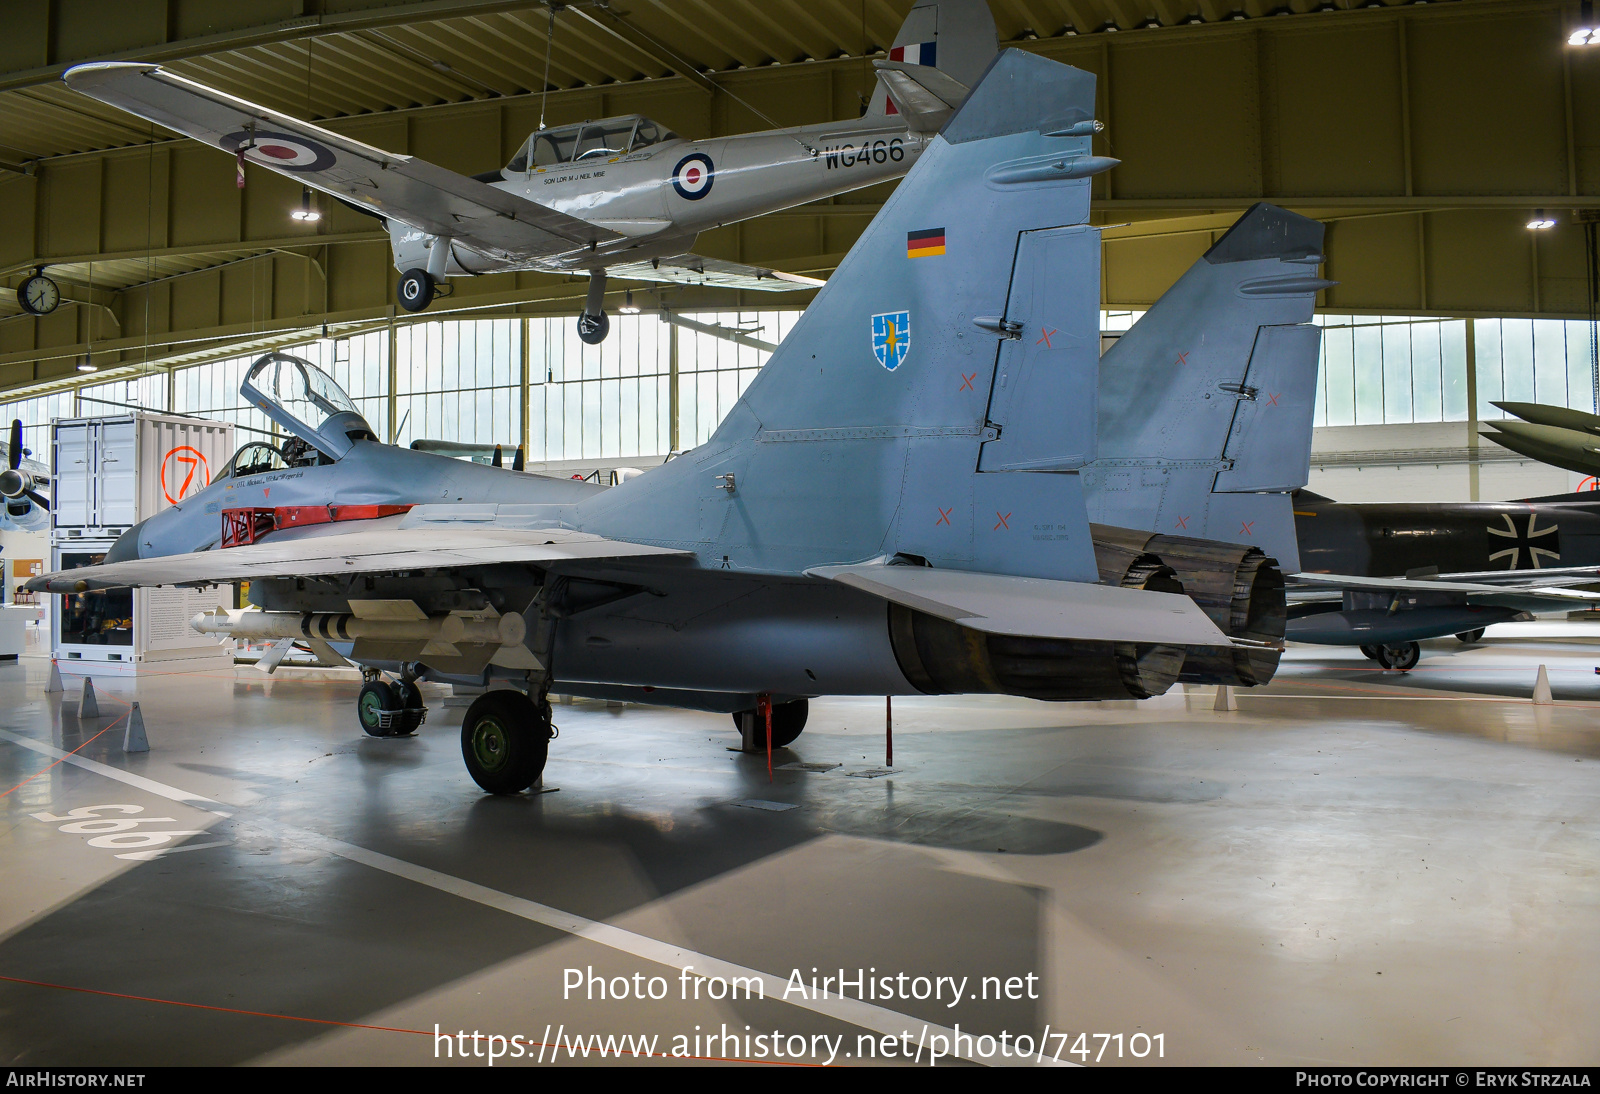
{"type": "Point", "coordinates": [1527, 547]}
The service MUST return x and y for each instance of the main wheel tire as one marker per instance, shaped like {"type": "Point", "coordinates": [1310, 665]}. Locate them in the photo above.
{"type": "Point", "coordinates": [416, 290]}
{"type": "Point", "coordinates": [788, 719]}
{"type": "Point", "coordinates": [411, 706]}
{"type": "Point", "coordinates": [505, 741]}
{"type": "Point", "coordinates": [1370, 652]}
{"type": "Point", "coordinates": [592, 329]}
{"type": "Point", "coordinates": [1401, 658]}
{"type": "Point", "coordinates": [377, 697]}
{"type": "Point", "coordinates": [1469, 637]}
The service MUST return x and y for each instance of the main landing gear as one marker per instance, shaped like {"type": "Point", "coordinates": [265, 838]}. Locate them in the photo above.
{"type": "Point", "coordinates": [505, 739]}
{"type": "Point", "coordinates": [390, 710]}
{"type": "Point", "coordinates": [788, 719]}
{"type": "Point", "coordinates": [1399, 658]}
{"type": "Point", "coordinates": [594, 324]}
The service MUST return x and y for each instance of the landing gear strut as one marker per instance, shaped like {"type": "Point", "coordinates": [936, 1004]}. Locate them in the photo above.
{"type": "Point", "coordinates": [594, 324]}
{"type": "Point", "coordinates": [788, 719]}
{"type": "Point", "coordinates": [505, 739]}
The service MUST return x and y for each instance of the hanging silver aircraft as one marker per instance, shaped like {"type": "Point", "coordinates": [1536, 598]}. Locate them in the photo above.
{"type": "Point", "coordinates": [895, 506]}
{"type": "Point", "coordinates": [621, 196]}
{"type": "Point", "coordinates": [24, 488]}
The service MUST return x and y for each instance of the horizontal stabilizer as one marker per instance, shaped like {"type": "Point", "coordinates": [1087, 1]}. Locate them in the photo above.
{"type": "Point", "coordinates": [715, 273]}
{"type": "Point", "coordinates": [428, 547]}
{"type": "Point", "coordinates": [925, 96]}
{"type": "Point", "coordinates": [1035, 607]}
{"type": "Point", "coordinates": [408, 190]}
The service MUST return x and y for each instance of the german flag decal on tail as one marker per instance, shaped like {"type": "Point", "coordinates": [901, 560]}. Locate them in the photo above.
{"type": "Point", "coordinates": [925, 244]}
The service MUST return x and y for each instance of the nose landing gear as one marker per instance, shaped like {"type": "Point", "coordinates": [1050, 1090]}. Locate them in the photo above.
{"type": "Point", "coordinates": [594, 324]}
{"type": "Point", "coordinates": [390, 710]}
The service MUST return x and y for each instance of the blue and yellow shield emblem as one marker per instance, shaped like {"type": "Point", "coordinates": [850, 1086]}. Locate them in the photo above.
{"type": "Point", "coordinates": [891, 338]}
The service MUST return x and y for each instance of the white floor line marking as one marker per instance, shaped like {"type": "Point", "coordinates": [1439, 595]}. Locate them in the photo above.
{"type": "Point", "coordinates": [856, 1012]}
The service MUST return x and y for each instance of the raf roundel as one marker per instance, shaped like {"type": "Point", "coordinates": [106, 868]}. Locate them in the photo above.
{"type": "Point", "coordinates": [693, 176]}
{"type": "Point", "coordinates": [281, 150]}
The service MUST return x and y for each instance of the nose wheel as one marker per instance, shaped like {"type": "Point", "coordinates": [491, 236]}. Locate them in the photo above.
{"type": "Point", "coordinates": [390, 710]}
{"type": "Point", "coordinates": [1401, 658]}
{"type": "Point", "coordinates": [505, 739]}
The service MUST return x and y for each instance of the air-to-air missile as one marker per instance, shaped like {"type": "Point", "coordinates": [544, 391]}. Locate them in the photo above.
{"type": "Point", "coordinates": [1556, 435]}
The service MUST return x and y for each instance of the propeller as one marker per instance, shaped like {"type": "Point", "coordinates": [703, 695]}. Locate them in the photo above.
{"type": "Point", "coordinates": [14, 482]}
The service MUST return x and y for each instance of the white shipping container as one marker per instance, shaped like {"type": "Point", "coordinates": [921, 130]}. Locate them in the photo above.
{"type": "Point", "coordinates": [113, 472]}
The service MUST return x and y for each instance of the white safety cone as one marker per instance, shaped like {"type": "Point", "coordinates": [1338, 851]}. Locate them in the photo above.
{"type": "Point", "coordinates": [88, 706]}
{"type": "Point", "coordinates": [133, 739]}
{"type": "Point", "coordinates": [54, 686]}
{"type": "Point", "coordinates": [1225, 699]}
{"type": "Point", "coordinates": [1541, 690]}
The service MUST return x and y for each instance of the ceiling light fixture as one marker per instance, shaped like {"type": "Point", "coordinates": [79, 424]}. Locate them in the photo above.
{"type": "Point", "coordinates": [1540, 222]}
{"type": "Point", "coordinates": [305, 213]}
{"type": "Point", "coordinates": [1585, 33]}
{"type": "Point", "coordinates": [85, 366]}
{"type": "Point", "coordinates": [629, 307]}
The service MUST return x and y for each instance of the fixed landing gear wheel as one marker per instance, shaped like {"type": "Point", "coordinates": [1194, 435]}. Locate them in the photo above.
{"type": "Point", "coordinates": [377, 699]}
{"type": "Point", "coordinates": [1469, 637]}
{"type": "Point", "coordinates": [1370, 652]}
{"type": "Point", "coordinates": [788, 719]}
{"type": "Point", "coordinates": [592, 329]}
{"type": "Point", "coordinates": [505, 739]}
{"type": "Point", "coordinates": [1401, 658]}
{"type": "Point", "coordinates": [416, 290]}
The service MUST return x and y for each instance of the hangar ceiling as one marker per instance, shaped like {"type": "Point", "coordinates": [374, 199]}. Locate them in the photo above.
{"type": "Point", "coordinates": [1424, 133]}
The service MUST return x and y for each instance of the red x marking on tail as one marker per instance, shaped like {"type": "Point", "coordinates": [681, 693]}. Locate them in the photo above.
{"type": "Point", "coordinates": [1003, 521]}
{"type": "Point", "coordinates": [1183, 522]}
{"type": "Point", "coordinates": [1272, 400]}
{"type": "Point", "coordinates": [1183, 359]}
{"type": "Point", "coordinates": [944, 516]}
{"type": "Point", "coordinates": [1245, 527]}
{"type": "Point", "coordinates": [967, 382]}
{"type": "Point", "coordinates": [1045, 337]}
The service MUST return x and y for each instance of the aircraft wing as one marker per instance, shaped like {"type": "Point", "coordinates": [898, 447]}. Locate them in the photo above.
{"type": "Point", "coordinates": [1035, 607]}
{"type": "Point", "coordinates": [1485, 588]}
{"type": "Point", "coordinates": [411, 191]}
{"type": "Point", "coordinates": [717, 273]}
{"type": "Point", "coordinates": [392, 548]}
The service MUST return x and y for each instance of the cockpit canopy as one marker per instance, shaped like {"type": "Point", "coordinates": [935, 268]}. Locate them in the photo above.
{"type": "Point", "coordinates": [307, 402]}
{"type": "Point", "coordinates": [588, 141]}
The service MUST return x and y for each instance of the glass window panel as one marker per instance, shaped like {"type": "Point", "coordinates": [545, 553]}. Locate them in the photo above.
{"type": "Point", "coordinates": [1453, 357]}
{"type": "Point", "coordinates": [1426, 382]}
{"type": "Point", "coordinates": [1516, 357]}
{"type": "Point", "coordinates": [1368, 364]}
{"type": "Point", "coordinates": [1491, 374]}
{"type": "Point", "coordinates": [1580, 375]}
{"type": "Point", "coordinates": [1549, 361]}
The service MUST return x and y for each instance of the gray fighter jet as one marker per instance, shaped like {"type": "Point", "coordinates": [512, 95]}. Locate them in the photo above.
{"type": "Point", "coordinates": [24, 487]}
{"type": "Point", "coordinates": [896, 505]}
{"type": "Point", "coordinates": [620, 195]}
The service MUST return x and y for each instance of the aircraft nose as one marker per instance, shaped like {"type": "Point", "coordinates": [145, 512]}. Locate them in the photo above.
{"type": "Point", "coordinates": [12, 484]}
{"type": "Point", "coordinates": [127, 546]}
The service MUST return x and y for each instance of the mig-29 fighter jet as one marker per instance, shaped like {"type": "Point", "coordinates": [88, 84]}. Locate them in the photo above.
{"type": "Point", "coordinates": [620, 196]}
{"type": "Point", "coordinates": [895, 506]}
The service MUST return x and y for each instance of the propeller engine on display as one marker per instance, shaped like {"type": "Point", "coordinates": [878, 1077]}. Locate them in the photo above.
{"type": "Point", "coordinates": [17, 482]}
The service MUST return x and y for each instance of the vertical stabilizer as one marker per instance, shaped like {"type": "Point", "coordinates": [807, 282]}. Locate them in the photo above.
{"type": "Point", "coordinates": [957, 37]}
{"type": "Point", "coordinates": [1206, 403]}
{"type": "Point", "coordinates": [937, 398]}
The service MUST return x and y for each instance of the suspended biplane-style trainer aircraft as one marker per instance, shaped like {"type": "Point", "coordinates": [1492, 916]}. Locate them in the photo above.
{"type": "Point", "coordinates": [894, 506]}
{"type": "Point", "coordinates": [620, 196]}
{"type": "Point", "coordinates": [24, 487]}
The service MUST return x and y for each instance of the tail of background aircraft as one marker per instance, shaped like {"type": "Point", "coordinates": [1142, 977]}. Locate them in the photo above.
{"type": "Point", "coordinates": [951, 358]}
{"type": "Point", "coordinates": [957, 37]}
{"type": "Point", "coordinates": [1205, 405]}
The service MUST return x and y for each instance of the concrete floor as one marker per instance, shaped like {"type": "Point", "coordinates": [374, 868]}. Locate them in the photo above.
{"type": "Point", "coordinates": [1354, 867]}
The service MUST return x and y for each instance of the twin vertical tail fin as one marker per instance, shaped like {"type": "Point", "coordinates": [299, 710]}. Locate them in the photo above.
{"type": "Point", "coordinates": [1205, 405]}
{"type": "Point", "coordinates": [943, 47]}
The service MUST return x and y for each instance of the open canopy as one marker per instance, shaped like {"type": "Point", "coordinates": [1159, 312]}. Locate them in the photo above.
{"type": "Point", "coordinates": [306, 401]}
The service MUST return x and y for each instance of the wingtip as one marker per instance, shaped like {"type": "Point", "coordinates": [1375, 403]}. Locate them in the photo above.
{"type": "Point", "coordinates": [92, 73]}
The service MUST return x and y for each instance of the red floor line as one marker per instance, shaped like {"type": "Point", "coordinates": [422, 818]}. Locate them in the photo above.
{"type": "Point", "coordinates": [74, 752]}
{"type": "Point", "coordinates": [354, 1025]}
